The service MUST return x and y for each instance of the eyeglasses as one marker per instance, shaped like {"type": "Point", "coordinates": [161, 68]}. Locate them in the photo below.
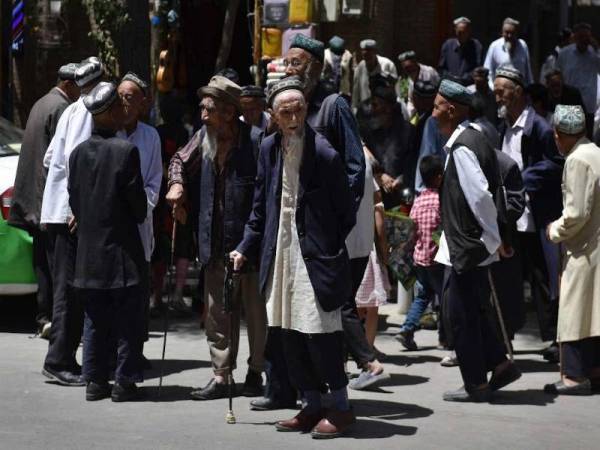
{"type": "Point", "coordinates": [208, 109]}
{"type": "Point", "coordinates": [294, 62]}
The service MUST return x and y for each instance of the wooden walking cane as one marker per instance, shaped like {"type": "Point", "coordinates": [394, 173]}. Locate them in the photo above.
{"type": "Point", "coordinates": [230, 284]}
{"type": "Point", "coordinates": [170, 271]}
{"type": "Point", "coordinates": [496, 304]}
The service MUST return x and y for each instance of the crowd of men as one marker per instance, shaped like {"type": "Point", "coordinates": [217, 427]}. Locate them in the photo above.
{"type": "Point", "coordinates": [286, 185]}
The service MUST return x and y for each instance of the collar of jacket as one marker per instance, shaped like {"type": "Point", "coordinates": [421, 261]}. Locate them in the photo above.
{"type": "Point", "coordinates": [103, 132]}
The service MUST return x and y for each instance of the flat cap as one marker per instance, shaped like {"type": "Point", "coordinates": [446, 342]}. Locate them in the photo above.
{"type": "Point", "coordinates": [67, 72]}
{"type": "Point", "coordinates": [461, 19]}
{"type": "Point", "coordinates": [223, 89]}
{"type": "Point", "coordinates": [337, 45]}
{"type": "Point", "coordinates": [134, 78]}
{"type": "Point", "coordinates": [569, 119]}
{"type": "Point", "coordinates": [511, 21]}
{"type": "Point", "coordinates": [405, 56]}
{"type": "Point", "coordinates": [312, 46]}
{"type": "Point", "coordinates": [100, 98]}
{"type": "Point", "coordinates": [285, 84]}
{"type": "Point", "coordinates": [481, 71]}
{"type": "Point", "coordinates": [89, 70]}
{"type": "Point", "coordinates": [252, 91]}
{"type": "Point", "coordinates": [455, 92]}
{"type": "Point", "coordinates": [511, 73]}
{"type": "Point", "coordinates": [425, 89]}
{"type": "Point", "coordinates": [368, 44]}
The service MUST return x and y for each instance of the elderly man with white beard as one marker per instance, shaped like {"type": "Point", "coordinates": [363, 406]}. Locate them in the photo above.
{"type": "Point", "coordinates": [303, 211]}
{"type": "Point", "coordinates": [214, 173]}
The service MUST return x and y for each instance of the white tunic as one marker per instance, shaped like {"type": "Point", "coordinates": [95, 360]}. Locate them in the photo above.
{"type": "Point", "coordinates": [146, 139]}
{"type": "Point", "coordinates": [74, 126]}
{"type": "Point", "coordinates": [291, 301]}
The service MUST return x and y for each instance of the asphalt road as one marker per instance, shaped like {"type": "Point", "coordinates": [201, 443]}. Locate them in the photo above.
{"type": "Point", "coordinates": [405, 412]}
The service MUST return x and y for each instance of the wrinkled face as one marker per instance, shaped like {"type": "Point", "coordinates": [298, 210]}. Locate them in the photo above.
{"type": "Point", "coordinates": [463, 32]}
{"type": "Point", "coordinates": [506, 92]}
{"type": "Point", "coordinates": [133, 100]}
{"type": "Point", "coordinates": [443, 112]}
{"type": "Point", "coordinates": [480, 81]}
{"type": "Point", "coordinates": [555, 85]}
{"type": "Point", "coordinates": [370, 57]}
{"type": "Point", "coordinates": [411, 68]}
{"type": "Point", "coordinates": [252, 109]}
{"type": "Point", "coordinates": [510, 33]}
{"type": "Point", "coordinates": [215, 113]}
{"type": "Point", "coordinates": [289, 112]}
{"type": "Point", "coordinates": [379, 107]}
{"type": "Point", "coordinates": [297, 62]}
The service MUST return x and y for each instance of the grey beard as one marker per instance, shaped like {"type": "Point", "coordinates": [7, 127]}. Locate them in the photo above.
{"type": "Point", "coordinates": [294, 142]}
{"type": "Point", "coordinates": [502, 112]}
{"type": "Point", "coordinates": [209, 144]}
{"type": "Point", "coordinates": [508, 46]}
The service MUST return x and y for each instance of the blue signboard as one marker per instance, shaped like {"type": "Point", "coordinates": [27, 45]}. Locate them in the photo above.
{"type": "Point", "coordinates": [17, 25]}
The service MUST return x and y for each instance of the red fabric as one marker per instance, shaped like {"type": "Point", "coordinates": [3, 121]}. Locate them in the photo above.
{"type": "Point", "coordinates": [426, 215]}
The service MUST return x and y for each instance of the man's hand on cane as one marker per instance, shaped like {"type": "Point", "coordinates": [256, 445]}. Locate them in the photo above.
{"type": "Point", "coordinates": [175, 197]}
{"type": "Point", "coordinates": [238, 260]}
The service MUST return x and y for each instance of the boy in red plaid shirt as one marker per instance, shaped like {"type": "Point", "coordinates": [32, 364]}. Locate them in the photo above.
{"type": "Point", "coordinates": [425, 213]}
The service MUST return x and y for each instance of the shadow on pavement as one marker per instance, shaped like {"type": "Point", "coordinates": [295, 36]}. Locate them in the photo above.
{"type": "Point", "coordinates": [174, 366]}
{"type": "Point", "coordinates": [376, 429]}
{"type": "Point", "coordinates": [386, 410]}
{"type": "Point", "coordinates": [173, 393]}
{"type": "Point", "coordinates": [411, 358]}
{"type": "Point", "coordinates": [532, 397]}
{"type": "Point", "coordinates": [397, 379]}
{"type": "Point", "coordinates": [533, 365]}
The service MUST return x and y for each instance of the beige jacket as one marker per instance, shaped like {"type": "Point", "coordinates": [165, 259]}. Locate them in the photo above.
{"type": "Point", "coordinates": [347, 70]}
{"type": "Point", "coordinates": [579, 230]}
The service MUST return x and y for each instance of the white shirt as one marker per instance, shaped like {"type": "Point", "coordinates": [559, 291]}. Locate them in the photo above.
{"type": "Point", "coordinates": [74, 126]}
{"type": "Point", "coordinates": [361, 91]}
{"type": "Point", "coordinates": [475, 188]}
{"type": "Point", "coordinates": [146, 139]}
{"type": "Point", "coordinates": [511, 145]}
{"type": "Point", "coordinates": [497, 56]}
{"type": "Point", "coordinates": [360, 240]}
{"type": "Point", "coordinates": [581, 70]}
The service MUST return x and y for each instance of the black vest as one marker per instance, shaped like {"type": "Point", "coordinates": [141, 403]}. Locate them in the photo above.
{"type": "Point", "coordinates": [461, 228]}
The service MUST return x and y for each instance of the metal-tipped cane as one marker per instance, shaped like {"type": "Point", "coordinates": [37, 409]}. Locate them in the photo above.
{"type": "Point", "coordinates": [496, 304]}
{"type": "Point", "coordinates": [170, 271]}
{"type": "Point", "coordinates": [229, 289]}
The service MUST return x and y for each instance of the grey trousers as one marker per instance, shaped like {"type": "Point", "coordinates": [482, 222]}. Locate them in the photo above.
{"type": "Point", "coordinates": [217, 320]}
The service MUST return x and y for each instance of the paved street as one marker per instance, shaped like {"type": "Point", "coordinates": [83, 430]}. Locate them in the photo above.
{"type": "Point", "coordinates": [407, 412]}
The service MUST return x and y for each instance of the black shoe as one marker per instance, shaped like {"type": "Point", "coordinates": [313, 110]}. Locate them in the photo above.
{"type": "Point", "coordinates": [253, 386]}
{"type": "Point", "coordinates": [212, 391]}
{"type": "Point", "coordinates": [505, 377]}
{"type": "Point", "coordinates": [124, 392]}
{"type": "Point", "coordinates": [63, 377]}
{"type": "Point", "coordinates": [97, 391]}
{"type": "Point", "coordinates": [552, 353]}
{"type": "Point", "coordinates": [270, 404]}
{"type": "Point", "coordinates": [560, 388]}
{"type": "Point", "coordinates": [475, 396]}
{"type": "Point", "coordinates": [406, 338]}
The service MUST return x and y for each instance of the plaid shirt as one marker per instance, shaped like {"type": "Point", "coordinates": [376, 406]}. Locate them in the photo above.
{"type": "Point", "coordinates": [426, 215]}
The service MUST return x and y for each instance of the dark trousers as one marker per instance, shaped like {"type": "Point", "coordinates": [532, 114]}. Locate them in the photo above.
{"type": "Point", "coordinates": [113, 314]}
{"type": "Point", "coordinates": [67, 310]}
{"type": "Point", "coordinates": [278, 386]}
{"type": "Point", "coordinates": [477, 346]}
{"type": "Point", "coordinates": [579, 357]}
{"type": "Point", "coordinates": [534, 265]}
{"type": "Point", "coordinates": [314, 360]}
{"type": "Point", "coordinates": [44, 278]}
{"type": "Point", "coordinates": [354, 332]}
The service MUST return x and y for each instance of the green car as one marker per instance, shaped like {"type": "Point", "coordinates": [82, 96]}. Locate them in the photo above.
{"type": "Point", "coordinates": [16, 247]}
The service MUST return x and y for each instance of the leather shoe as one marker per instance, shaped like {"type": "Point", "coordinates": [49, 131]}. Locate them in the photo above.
{"type": "Point", "coordinates": [560, 388]}
{"type": "Point", "coordinates": [211, 391]}
{"type": "Point", "coordinates": [270, 404]}
{"type": "Point", "coordinates": [302, 422]}
{"type": "Point", "coordinates": [333, 424]}
{"type": "Point", "coordinates": [475, 396]}
{"type": "Point", "coordinates": [97, 391]}
{"type": "Point", "coordinates": [253, 386]}
{"type": "Point", "coordinates": [124, 392]}
{"type": "Point", "coordinates": [552, 353]}
{"type": "Point", "coordinates": [63, 377]}
{"type": "Point", "coordinates": [509, 375]}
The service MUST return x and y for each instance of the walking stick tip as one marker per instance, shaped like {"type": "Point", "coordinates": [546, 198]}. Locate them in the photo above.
{"type": "Point", "coordinates": [230, 418]}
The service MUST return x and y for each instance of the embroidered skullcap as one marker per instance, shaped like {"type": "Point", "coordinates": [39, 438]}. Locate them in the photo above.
{"type": "Point", "coordinates": [425, 89]}
{"type": "Point", "coordinates": [285, 84]}
{"type": "Point", "coordinates": [461, 19]}
{"type": "Point", "coordinates": [130, 76]}
{"type": "Point", "coordinates": [312, 46]}
{"type": "Point", "coordinates": [252, 91]}
{"type": "Point", "coordinates": [368, 44]}
{"type": "Point", "coordinates": [89, 70]}
{"type": "Point", "coordinates": [569, 119]}
{"type": "Point", "coordinates": [100, 98]}
{"type": "Point", "coordinates": [511, 21]}
{"type": "Point", "coordinates": [405, 56]}
{"type": "Point", "coordinates": [455, 92]}
{"type": "Point", "coordinates": [337, 45]}
{"type": "Point", "coordinates": [511, 73]}
{"type": "Point", "coordinates": [67, 72]}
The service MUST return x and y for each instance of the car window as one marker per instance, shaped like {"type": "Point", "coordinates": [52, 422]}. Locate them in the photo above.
{"type": "Point", "coordinates": [10, 138]}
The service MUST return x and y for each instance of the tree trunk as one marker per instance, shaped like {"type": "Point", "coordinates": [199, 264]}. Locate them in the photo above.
{"type": "Point", "coordinates": [227, 36]}
{"type": "Point", "coordinates": [133, 42]}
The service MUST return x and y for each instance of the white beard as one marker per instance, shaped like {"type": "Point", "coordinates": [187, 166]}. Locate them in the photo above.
{"type": "Point", "coordinates": [502, 112]}
{"type": "Point", "coordinates": [294, 143]}
{"type": "Point", "coordinates": [209, 144]}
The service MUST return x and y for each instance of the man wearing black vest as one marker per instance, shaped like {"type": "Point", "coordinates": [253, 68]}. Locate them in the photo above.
{"type": "Point", "coordinates": [470, 242]}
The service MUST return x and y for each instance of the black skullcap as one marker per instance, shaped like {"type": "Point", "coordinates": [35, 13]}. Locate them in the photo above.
{"type": "Point", "coordinates": [67, 72]}
{"type": "Point", "coordinates": [89, 70]}
{"type": "Point", "coordinates": [100, 98]}
{"type": "Point", "coordinates": [285, 84]}
{"type": "Point", "coordinates": [425, 89]}
{"type": "Point", "coordinates": [252, 91]}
